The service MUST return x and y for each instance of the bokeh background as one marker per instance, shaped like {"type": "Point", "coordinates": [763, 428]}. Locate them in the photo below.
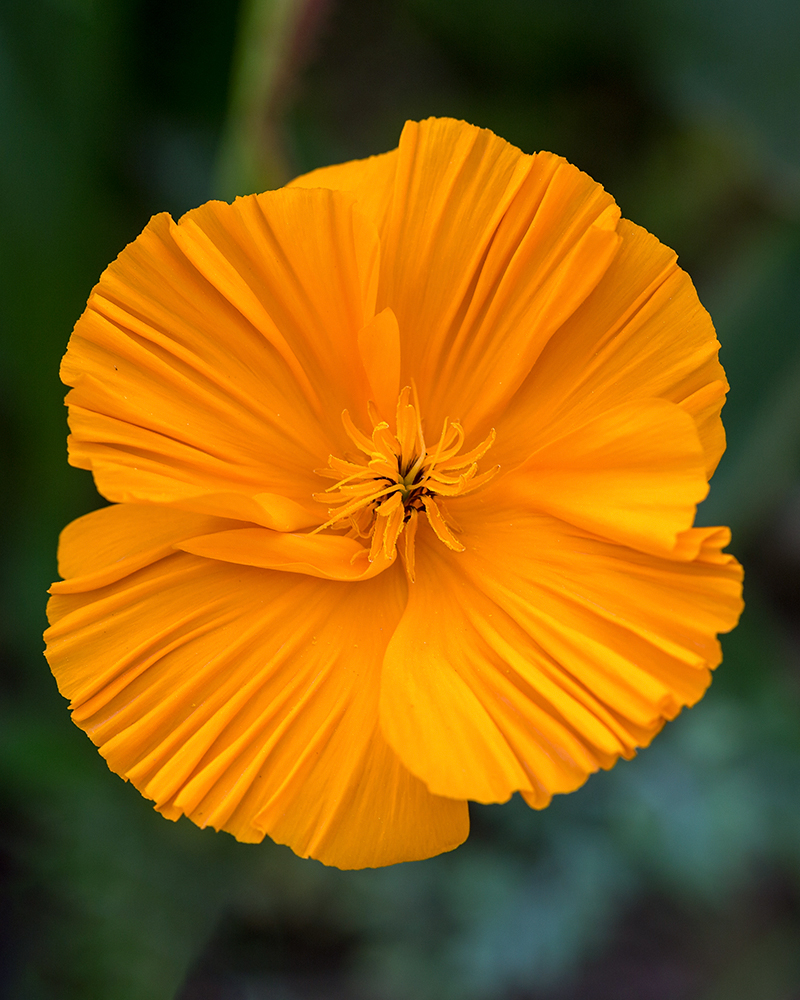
{"type": "Point", "coordinates": [673, 877]}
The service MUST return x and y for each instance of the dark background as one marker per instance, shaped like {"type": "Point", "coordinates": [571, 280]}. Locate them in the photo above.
{"type": "Point", "coordinates": [673, 877]}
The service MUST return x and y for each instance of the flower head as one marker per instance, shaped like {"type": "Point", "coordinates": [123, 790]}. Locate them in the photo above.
{"type": "Point", "coordinates": [404, 461]}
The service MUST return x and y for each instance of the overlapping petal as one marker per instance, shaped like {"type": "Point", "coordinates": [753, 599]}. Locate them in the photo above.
{"type": "Point", "coordinates": [370, 181]}
{"type": "Point", "coordinates": [634, 474]}
{"type": "Point", "coordinates": [641, 334]}
{"type": "Point", "coordinates": [485, 252]}
{"type": "Point", "coordinates": [330, 557]}
{"type": "Point", "coordinates": [216, 354]}
{"type": "Point", "coordinates": [542, 653]}
{"type": "Point", "coordinates": [109, 544]}
{"type": "Point", "coordinates": [245, 699]}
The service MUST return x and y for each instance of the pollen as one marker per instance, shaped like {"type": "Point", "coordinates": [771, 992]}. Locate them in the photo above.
{"type": "Point", "coordinates": [381, 496]}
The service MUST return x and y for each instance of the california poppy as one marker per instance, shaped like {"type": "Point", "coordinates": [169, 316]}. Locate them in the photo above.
{"type": "Point", "coordinates": [403, 460]}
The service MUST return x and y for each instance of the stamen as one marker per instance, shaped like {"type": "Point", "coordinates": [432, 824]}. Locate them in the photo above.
{"type": "Point", "coordinates": [361, 441]}
{"type": "Point", "coordinates": [443, 533]}
{"type": "Point", "coordinates": [408, 547]}
{"type": "Point", "coordinates": [407, 432]}
{"type": "Point", "coordinates": [381, 498]}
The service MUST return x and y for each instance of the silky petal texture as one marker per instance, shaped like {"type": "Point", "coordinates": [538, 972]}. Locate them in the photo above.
{"type": "Point", "coordinates": [485, 252]}
{"type": "Point", "coordinates": [379, 345]}
{"type": "Point", "coordinates": [330, 557]}
{"type": "Point", "coordinates": [641, 334]}
{"type": "Point", "coordinates": [541, 654]}
{"type": "Point", "coordinates": [215, 357]}
{"type": "Point", "coordinates": [110, 544]}
{"type": "Point", "coordinates": [634, 474]}
{"type": "Point", "coordinates": [247, 700]}
{"type": "Point", "coordinates": [370, 181]}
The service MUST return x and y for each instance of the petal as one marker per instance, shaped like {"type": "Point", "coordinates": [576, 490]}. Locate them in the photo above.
{"type": "Point", "coordinates": [216, 354]}
{"type": "Point", "coordinates": [248, 700]}
{"type": "Point", "coordinates": [642, 333]}
{"type": "Point", "coordinates": [331, 557]}
{"type": "Point", "coordinates": [169, 474]}
{"type": "Point", "coordinates": [486, 251]}
{"type": "Point", "coordinates": [369, 181]}
{"type": "Point", "coordinates": [633, 474]}
{"type": "Point", "coordinates": [379, 345]}
{"type": "Point", "coordinates": [540, 653]}
{"type": "Point", "coordinates": [109, 544]}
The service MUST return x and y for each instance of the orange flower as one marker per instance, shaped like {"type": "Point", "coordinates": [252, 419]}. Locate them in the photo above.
{"type": "Point", "coordinates": [404, 460]}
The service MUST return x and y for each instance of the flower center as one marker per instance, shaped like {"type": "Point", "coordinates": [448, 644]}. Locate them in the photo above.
{"type": "Point", "coordinates": [380, 497]}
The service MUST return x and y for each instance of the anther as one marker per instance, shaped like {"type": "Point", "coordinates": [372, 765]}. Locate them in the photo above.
{"type": "Point", "coordinates": [381, 498]}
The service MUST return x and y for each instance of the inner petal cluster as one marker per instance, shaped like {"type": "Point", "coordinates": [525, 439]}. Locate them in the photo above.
{"type": "Point", "coordinates": [380, 497]}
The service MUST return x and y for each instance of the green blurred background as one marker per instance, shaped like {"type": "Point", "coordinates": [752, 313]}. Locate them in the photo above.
{"type": "Point", "coordinates": [673, 877]}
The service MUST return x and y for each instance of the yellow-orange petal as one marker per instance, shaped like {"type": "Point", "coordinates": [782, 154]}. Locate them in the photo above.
{"type": "Point", "coordinates": [216, 354]}
{"type": "Point", "coordinates": [134, 476]}
{"type": "Point", "coordinates": [109, 544]}
{"type": "Point", "coordinates": [369, 181]}
{"type": "Point", "coordinates": [485, 252]}
{"type": "Point", "coordinates": [248, 700]}
{"type": "Point", "coordinates": [541, 653]}
{"type": "Point", "coordinates": [633, 474]}
{"type": "Point", "coordinates": [379, 346]}
{"type": "Point", "coordinates": [642, 333]}
{"type": "Point", "coordinates": [330, 557]}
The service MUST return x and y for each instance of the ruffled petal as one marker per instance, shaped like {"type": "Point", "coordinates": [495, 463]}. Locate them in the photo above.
{"type": "Point", "coordinates": [541, 654]}
{"type": "Point", "coordinates": [633, 474]}
{"type": "Point", "coordinates": [486, 251]}
{"type": "Point", "coordinates": [330, 557]}
{"type": "Point", "coordinates": [642, 333]}
{"type": "Point", "coordinates": [109, 544]}
{"type": "Point", "coordinates": [248, 701]}
{"type": "Point", "coordinates": [216, 355]}
{"type": "Point", "coordinates": [369, 181]}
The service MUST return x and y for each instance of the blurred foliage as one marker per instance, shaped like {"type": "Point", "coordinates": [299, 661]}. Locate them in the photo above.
{"type": "Point", "coordinates": [250, 157]}
{"type": "Point", "coordinates": [673, 876]}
